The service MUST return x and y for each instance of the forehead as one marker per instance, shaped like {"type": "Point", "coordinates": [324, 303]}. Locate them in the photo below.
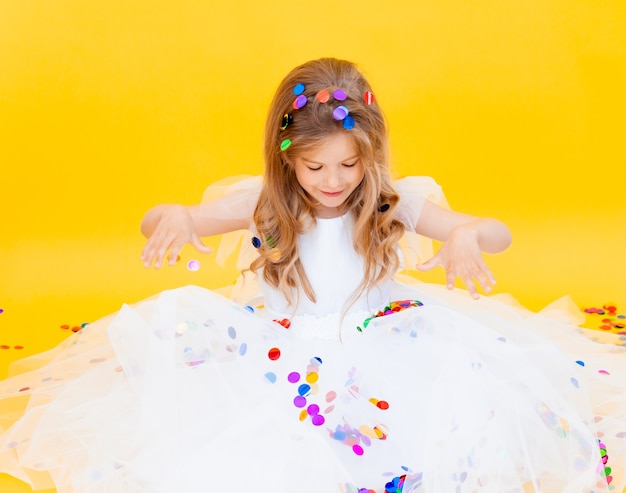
{"type": "Point", "coordinates": [336, 147]}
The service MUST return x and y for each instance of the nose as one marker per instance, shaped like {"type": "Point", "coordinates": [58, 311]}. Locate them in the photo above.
{"type": "Point", "coordinates": [332, 178]}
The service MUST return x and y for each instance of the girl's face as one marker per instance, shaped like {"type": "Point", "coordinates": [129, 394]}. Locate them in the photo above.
{"type": "Point", "coordinates": [330, 173]}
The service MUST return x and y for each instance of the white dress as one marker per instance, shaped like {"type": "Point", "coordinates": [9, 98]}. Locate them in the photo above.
{"type": "Point", "coordinates": [190, 391]}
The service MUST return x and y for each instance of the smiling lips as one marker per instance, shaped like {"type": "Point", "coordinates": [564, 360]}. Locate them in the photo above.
{"type": "Point", "coordinates": [332, 194]}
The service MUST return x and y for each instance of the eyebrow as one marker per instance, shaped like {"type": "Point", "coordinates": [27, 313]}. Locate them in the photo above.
{"type": "Point", "coordinates": [322, 164]}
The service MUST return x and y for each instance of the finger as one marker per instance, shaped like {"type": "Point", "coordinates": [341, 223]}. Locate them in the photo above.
{"type": "Point", "coordinates": [428, 265]}
{"type": "Point", "coordinates": [483, 280]}
{"type": "Point", "coordinates": [492, 279]}
{"type": "Point", "coordinates": [150, 250]}
{"type": "Point", "coordinates": [200, 246]}
{"type": "Point", "coordinates": [174, 255]}
{"type": "Point", "coordinates": [484, 277]}
{"type": "Point", "coordinates": [450, 278]}
{"type": "Point", "coordinates": [147, 255]}
{"type": "Point", "coordinates": [161, 251]}
{"type": "Point", "coordinates": [468, 280]}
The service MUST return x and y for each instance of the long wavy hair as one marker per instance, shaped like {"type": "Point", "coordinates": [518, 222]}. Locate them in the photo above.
{"type": "Point", "coordinates": [285, 210]}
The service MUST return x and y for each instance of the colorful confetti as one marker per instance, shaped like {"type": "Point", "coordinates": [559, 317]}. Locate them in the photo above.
{"type": "Point", "coordinates": [604, 468]}
{"type": "Point", "coordinates": [393, 307]}
{"type": "Point", "coordinates": [611, 321]}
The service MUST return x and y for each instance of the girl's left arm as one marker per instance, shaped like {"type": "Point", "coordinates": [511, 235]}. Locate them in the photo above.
{"type": "Point", "coordinates": [465, 237]}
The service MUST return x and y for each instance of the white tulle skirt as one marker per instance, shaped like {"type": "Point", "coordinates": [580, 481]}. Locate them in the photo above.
{"type": "Point", "coordinates": [189, 391]}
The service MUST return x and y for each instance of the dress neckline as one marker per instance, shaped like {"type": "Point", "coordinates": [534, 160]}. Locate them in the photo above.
{"type": "Point", "coordinates": [343, 216]}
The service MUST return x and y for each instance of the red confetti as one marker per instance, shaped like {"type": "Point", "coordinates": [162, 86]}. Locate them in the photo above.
{"type": "Point", "coordinates": [284, 322]}
{"type": "Point", "coordinates": [18, 347]}
{"type": "Point", "coordinates": [384, 405]}
{"type": "Point", "coordinates": [273, 354]}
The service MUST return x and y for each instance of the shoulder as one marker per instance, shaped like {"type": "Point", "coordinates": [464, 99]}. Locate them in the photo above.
{"type": "Point", "coordinates": [419, 187]}
{"type": "Point", "coordinates": [414, 192]}
{"type": "Point", "coordinates": [242, 186]}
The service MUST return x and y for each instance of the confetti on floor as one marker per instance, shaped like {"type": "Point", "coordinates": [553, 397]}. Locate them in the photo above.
{"type": "Point", "coordinates": [607, 319]}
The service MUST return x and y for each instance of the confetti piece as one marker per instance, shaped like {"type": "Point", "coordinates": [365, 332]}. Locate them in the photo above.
{"type": "Point", "coordinates": [193, 265]}
{"type": "Point", "coordinates": [304, 389]}
{"type": "Point", "coordinates": [323, 96]}
{"type": "Point", "coordinates": [312, 378]}
{"type": "Point", "coordinates": [284, 322]}
{"type": "Point", "coordinates": [313, 410]}
{"type": "Point", "coordinates": [273, 354]}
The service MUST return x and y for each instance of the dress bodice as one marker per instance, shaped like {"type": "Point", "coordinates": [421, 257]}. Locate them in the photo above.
{"type": "Point", "coordinates": [334, 270]}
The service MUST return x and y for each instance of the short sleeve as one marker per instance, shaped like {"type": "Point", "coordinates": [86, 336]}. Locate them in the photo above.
{"type": "Point", "coordinates": [414, 191]}
{"type": "Point", "coordinates": [235, 198]}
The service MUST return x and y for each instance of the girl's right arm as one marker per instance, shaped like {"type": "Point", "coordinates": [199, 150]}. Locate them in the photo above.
{"type": "Point", "coordinates": [169, 227]}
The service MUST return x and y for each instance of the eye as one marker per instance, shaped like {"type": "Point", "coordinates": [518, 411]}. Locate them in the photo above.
{"type": "Point", "coordinates": [350, 165]}
{"type": "Point", "coordinates": [314, 169]}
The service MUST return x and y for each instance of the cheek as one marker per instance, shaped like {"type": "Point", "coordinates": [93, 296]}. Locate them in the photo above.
{"type": "Point", "coordinates": [359, 174]}
{"type": "Point", "coordinates": [303, 178]}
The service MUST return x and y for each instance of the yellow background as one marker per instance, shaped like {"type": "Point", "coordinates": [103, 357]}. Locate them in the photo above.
{"type": "Point", "coordinates": [107, 107]}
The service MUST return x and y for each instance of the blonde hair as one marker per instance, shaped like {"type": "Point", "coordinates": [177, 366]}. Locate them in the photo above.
{"type": "Point", "coordinates": [285, 210]}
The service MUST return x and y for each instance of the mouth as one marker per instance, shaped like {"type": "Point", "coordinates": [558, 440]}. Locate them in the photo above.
{"type": "Point", "coordinates": [331, 194]}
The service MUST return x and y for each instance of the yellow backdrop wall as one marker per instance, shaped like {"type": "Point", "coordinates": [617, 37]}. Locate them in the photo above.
{"type": "Point", "coordinates": [109, 107]}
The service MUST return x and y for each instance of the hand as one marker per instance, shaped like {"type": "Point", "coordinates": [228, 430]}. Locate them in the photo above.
{"type": "Point", "coordinates": [174, 229]}
{"type": "Point", "coordinates": [461, 256]}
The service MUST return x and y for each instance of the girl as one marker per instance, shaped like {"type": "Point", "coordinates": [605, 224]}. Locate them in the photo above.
{"type": "Point", "coordinates": [333, 375]}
